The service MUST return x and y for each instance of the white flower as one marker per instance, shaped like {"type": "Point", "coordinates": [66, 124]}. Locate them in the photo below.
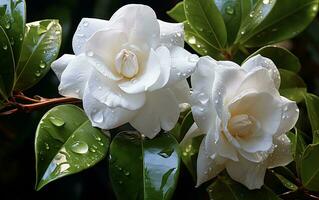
{"type": "Point", "coordinates": [243, 117]}
{"type": "Point", "coordinates": [132, 68]}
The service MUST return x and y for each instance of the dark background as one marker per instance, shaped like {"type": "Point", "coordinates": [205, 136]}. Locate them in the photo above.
{"type": "Point", "coordinates": [17, 160]}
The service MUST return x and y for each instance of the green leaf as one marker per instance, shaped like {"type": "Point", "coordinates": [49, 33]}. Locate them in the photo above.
{"type": "Point", "coordinates": [12, 21]}
{"type": "Point", "coordinates": [144, 169]}
{"type": "Point", "coordinates": [190, 149]}
{"type": "Point", "coordinates": [292, 86]}
{"type": "Point", "coordinates": [282, 57]}
{"type": "Point", "coordinates": [312, 103]}
{"type": "Point", "coordinates": [225, 188]}
{"type": "Point", "coordinates": [66, 143]}
{"type": "Point", "coordinates": [285, 182]}
{"type": "Point", "coordinates": [6, 66]}
{"type": "Point", "coordinates": [205, 18]}
{"type": "Point", "coordinates": [200, 45]}
{"type": "Point", "coordinates": [310, 168]}
{"type": "Point", "coordinates": [298, 147]}
{"type": "Point", "coordinates": [285, 20]}
{"type": "Point", "coordinates": [178, 12]}
{"type": "Point", "coordinates": [40, 48]}
{"type": "Point", "coordinates": [233, 12]}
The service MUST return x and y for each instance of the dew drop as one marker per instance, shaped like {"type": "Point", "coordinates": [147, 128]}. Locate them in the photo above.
{"type": "Point", "coordinates": [230, 10]}
{"type": "Point", "coordinates": [92, 150]}
{"type": "Point", "coordinates": [85, 23]}
{"type": "Point", "coordinates": [193, 58]}
{"type": "Point", "coordinates": [57, 32]}
{"type": "Point", "coordinates": [56, 121]}
{"type": "Point", "coordinates": [192, 40]}
{"type": "Point", "coordinates": [37, 73]}
{"type": "Point", "coordinates": [80, 147]}
{"type": "Point", "coordinates": [5, 47]}
{"type": "Point", "coordinates": [179, 73]}
{"type": "Point", "coordinates": [127, 173]}
{"type": "Point", "coordinates": [266, 2]}
{"type": "Point", "coordinates": [203, 98]}
{"type": "Point", "coordinates": [101, 143]}
{"type": "Point", "coordinates": [179, 34]}
{"type": "Point", "coordinates": [42, 65]}
{"type": "Point", "coordinates": [47, 146]}
{"type": "Point", "coordinates": [286, 108]}
{"type": "Point", "coordinates": [242, 33]}
{"type": "Point", "coordinates": [90, 53]}
{"type": "Point", "coordinates": [8, 26]}
{"type": "Point", "coordinates": [98, 117]}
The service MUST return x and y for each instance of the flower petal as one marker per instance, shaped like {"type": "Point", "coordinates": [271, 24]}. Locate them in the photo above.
{"type": "Point", "coordinates": [208, 166]}
{"type": "Point", "coordinates": [164, 58]}
{"type": "Point", "coordinates": [159, 111]}
{"type": "Point", "coordinates": [107, 91]}
{"type": "Point", "coordinates": [140, 22]}
{"type": "Point", "coordinates": [86, 28]}
{"type": "Point", "coordinates": [60, 64]}
{"type": "Point", "coordinates": [172, 34]}
{"type": "Point", "coordinates": [103, 116]}
{"type": "Point", "coordinates": [248, 173]}
{"type": "Point", "coordinates": [183, 64]}
{"type": "Point", "coordinates": [181, 91]}
{"type": "Point", "coordinates": [146, 78]}
{"type": "Point", "coordinates": [259, 61]}
{"type": "Point", "coordinates": [75, 77]}
{"type": "Point", "coordinates": [290, 116]}
{"type": "Point", "coordinates": [104, 45]}
{"type": "Point", "coordinates": [226, 149]}
{"type": "Point", "coordinates": [202, 82]}
{"type": "Point", "coordinates": [282, 154]}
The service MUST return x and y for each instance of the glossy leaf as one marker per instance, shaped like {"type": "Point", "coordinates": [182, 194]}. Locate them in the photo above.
{"type": "Point", "coordinates": [200, 45]}
{"type": "Point", "coordinates": [12, 21]}
{"type": "Point", "coordinates": [282, 57]}
{"type": "Point", "coordinates": [6, 65]}
{"type": "Point", "coordinates": [310, 168]}
{"type": "Point", "coordinates": [66, 143]}
{"type": "Point", "coordinates": [40, 48]}
{"type": "Point", "coordinates": [298, 147]}
{"type": "Point", "coordinates": [285, 182]}
{"type": "Point", "coordinates": [205, 18]}
{"type": "Point", "coordinates": [292, 86]}
{"type": "Point", "coordinates": [187, 122]}
{"type": "Point", "coordinates": [286, 19]}
{"type": "Point", "coordinates": [233, 12]}
{"type": "Point", "coordinates": [178, 12]}
{"type": "Point", "coordinates": [190, 149]}
{"type": "Point", "coordinates": [224, 187]}
{"type": "Point", "coordinates": [144, 169]}
{"type": "Point", "coordinates": [312, 102]}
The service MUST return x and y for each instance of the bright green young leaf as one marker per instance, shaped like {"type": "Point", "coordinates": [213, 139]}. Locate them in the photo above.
{"type": "Point", "coordinates": [144, 169]}
{"type": "Point", "coordinates": [205, 18]}
{"type": "Point", "coordinates": [40, 48]}
{"type": "Point", "coordinates": [312, 102]}
{"type": "Point", "coordinates": [282, 57]}
{"type": "Point", "coordinates": [190, 152]}
{"type": "Point", "coordinates": [292, 86]}
{"type": "Point", "coordinates": [178, 12]}
{"type": "Point", "coordinates": [286, 19]}
{"type": "Point", "coordinates": [12, 20]}
{"type": "Point", "coordinates": [6, 66]}
{"type": "Point", "coordinates": [233, 12]}
{"type": "Point", "coordinates": [310, 168]}
{"type": "Point", "coordinates": [200, 45]}
{"type": "Point", "coordinates": [66, 143]}
{"type": "Point", "coordinates": [224, 188]}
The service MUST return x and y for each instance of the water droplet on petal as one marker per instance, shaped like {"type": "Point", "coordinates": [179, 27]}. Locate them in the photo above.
{"type": "Point", "coordinates": [56, 121]}
{"type": "Point", "coordinates": [193, 58]}
{"type": "Point", "coordinates": [85, 23]}
{"type": "Point", "coordinates": [80, 147]}
{"type": "Point", "coordinates": [90, 53]}
{"type": "Point", "coordinates": [203, 98]}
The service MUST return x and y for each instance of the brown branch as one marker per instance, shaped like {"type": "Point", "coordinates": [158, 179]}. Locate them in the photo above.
{"type": "Point", "coordinates": [13, 106]}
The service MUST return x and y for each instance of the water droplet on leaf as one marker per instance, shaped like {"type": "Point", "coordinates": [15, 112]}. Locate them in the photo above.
{"type": "Point", "coordinates": [80, 147]}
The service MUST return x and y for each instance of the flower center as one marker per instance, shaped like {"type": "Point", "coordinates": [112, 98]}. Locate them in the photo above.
{"type": "Point", "coordinates": [126, 63]}
{"type": "Point", "coordinates": [243, 125]}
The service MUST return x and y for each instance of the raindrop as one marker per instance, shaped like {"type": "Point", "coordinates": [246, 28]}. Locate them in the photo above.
{"type": "Point", "coordinates": [101, 143]}
{"type": "Point", "coordinates": [97, 138]}
{"type": "Point", "coordinates": [216, 101]}
{"type": "Point", "coordinates": [98, 117]}
{"type": "Point", "coordinates": [286, 108]}
{"type": "Point", "coordinates": [5, 47]}
{"type": "Point", "coordinates": [57, 32]}
{"type": "Point", "coordinates": [57, 121]}
{"type": "Point", "coordinates": [37, 73]}
{"type": "Point", "coordinates": [185, 154]}
{"type": "Point", "coordinates": [21, 37]}
{"type": "Point", "coordinates": [251, 14]}
{"type": "Point", "coordinates": [80, 147]}
{"type": "Point", "coordinates": [47, 146]}
{"type": "Point", "coordinates": [266, 1]}
{"type": "Point", "coordinates": [199, 46]}
{"type": "Point", "coordinates": [133, 80]}
{"type": "Point", "coordinates": [179, 34]}
{"type": "Point", "coordinates": [8, 26]}
{"type": "Point", "coordinates": [90, 53]}
{"type": "Point", "coordinates": [42, 65]}
{"type": "Point", "coordinates": [179, 73]}
{"type": "Point", "coordinates": [230, 10]}
{"type": "Point", "coordinates": [192, 40]}
{"type": "Point", "coordinates": [203, 98]}
{"type": "Point", "coordinates": [92, 150]}
{"type": "Point", "coordinates": [126, 173]}
{"type": "Point", "coordinates": [85, 23]}
{"type": "Point", "coordinates": [242, 33]}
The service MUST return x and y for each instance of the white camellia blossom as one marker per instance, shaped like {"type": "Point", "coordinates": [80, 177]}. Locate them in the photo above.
{"type": "Point", "coordinates": [243, 117]}
{"type": "Point", "coordinates": [132, 68]}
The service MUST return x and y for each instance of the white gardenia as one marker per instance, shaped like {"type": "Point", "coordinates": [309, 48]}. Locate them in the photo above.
{"type": "Point", "coordinates": [243, 117]}
{"type": "Point", "coordinates": [132, 68]}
